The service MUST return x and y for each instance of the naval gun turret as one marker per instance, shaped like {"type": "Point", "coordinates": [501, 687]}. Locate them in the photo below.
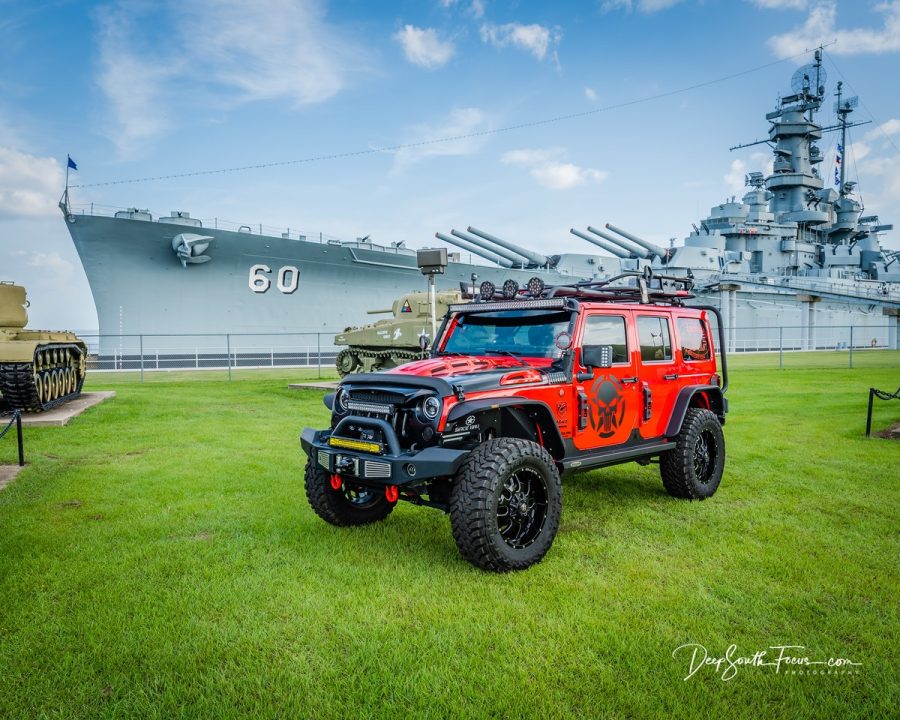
{"type": "Point", "coordinates": [39, 369]}
{"type": "Point", "coordinates": [393, 341]}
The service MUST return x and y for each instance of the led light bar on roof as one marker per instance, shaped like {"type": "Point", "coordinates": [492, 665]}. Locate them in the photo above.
{"type": "Point", "coordinates": [549, 304]}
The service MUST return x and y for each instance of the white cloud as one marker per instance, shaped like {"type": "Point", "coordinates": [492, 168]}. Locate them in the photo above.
{"type": "Point", "coordinates": [535, 39]}
{"type": "Point", "coordinates": [889, 128]}
{"type": "Point", "coordinates": [48, 261]}
{"type": "Point", "coordinates": [29, 186]}
{"type": "Point", "coordinates": [463, 124]}
{"type": "Point", "coordinates": [644, 6]}
{"type": "Point", "coordinates": [475, 9]}
{"type": "Point", "coordinates": [734, 178]}
{"type": "Point", "coordinates": [132, 84]}
{"type": "Point", "coordinates": [264, 50]}
{"type": "Point", "coordinates": [423, 47]}
{"type": "Point", "coordinates": [821, 27]}
{"type": "Point", "coordinates": [590, 94]}
{"type": "Point", "coordinates": [737, 172]}
{"type": "Point", "coordinates": [781, 4]}
{"type": "Point", "coordinates": [548, 169]}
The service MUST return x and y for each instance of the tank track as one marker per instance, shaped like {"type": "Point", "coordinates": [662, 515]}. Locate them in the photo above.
{"type": "Point", "coordinates": [403, 355]}
{"type": "Point", "coordinates": [56, 376]}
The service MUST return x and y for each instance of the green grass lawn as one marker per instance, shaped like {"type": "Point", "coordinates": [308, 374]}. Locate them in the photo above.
{"type": "Point", "coordinates": [158, 559]}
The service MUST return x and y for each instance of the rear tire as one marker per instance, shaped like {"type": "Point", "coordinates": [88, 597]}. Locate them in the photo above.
{"type": "Point", "coordinates": [506, 504]}
{"type": "Point", "coordinates": [346, 506]}
{"type": "Point", "coordinates": [693, 470]}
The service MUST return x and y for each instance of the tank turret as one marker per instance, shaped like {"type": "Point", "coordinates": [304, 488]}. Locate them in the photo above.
{"type": "Point", "coordinates": [39, 369]}
{"type": "Point", "coordinates": [393, 341]}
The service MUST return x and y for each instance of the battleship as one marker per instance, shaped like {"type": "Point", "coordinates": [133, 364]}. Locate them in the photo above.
{"type": "Point", "coordinates": [796, 250]}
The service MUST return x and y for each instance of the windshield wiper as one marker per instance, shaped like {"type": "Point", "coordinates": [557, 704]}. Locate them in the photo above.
{"type": "Point", "coordinates": [509, 353]}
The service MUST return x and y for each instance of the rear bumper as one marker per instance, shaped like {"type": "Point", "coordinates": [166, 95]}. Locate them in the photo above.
{"type": "Point", "coordinates": [392, 468]}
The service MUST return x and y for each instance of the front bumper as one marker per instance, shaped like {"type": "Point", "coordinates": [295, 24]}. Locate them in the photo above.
{"type": "Point", "coordinates": [391, 468]}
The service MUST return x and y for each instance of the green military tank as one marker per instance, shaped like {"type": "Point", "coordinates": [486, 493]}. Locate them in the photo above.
{"type": "Point", "coordinates": [391, 342]}
{"type": "Point", "coordinates": [39, 369]}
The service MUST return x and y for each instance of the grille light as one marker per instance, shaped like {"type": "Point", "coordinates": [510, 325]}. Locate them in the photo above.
{"type": "Point", "coordinates": [376, 408]}
{"type": "Point", "coordinates": [350, 444]}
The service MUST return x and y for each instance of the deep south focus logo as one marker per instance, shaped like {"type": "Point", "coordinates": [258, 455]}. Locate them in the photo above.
{"type": "Point", "coordinates": [608, 408]}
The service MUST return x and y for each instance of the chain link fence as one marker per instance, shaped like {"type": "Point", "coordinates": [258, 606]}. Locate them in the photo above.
{"type": "Point", "coordinates": [312, 355]}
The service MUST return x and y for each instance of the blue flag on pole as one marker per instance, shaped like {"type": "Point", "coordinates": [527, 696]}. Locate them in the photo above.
{"type": "Point", "coordinates": [72, 163]}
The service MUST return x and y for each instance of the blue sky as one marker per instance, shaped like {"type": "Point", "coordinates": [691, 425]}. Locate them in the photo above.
{"type": "Point", "coordinates": [139, 89]}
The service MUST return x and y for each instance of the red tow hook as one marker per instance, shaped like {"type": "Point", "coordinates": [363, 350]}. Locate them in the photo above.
{"type": "Point", "coordinates": [336, 482]}
{"type": "Point", "coordinates": [391, 493]}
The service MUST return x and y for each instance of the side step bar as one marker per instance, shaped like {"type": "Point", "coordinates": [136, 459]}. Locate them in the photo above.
{"type": "Point", "coordinates": [613, 457]}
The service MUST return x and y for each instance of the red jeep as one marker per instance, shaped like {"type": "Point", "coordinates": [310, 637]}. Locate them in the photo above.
{"type": "Point", "coordinates": [521, 387]}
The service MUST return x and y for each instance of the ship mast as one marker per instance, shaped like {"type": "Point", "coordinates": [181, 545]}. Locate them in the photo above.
{"type": "Point", "coordinates": [843, 110]}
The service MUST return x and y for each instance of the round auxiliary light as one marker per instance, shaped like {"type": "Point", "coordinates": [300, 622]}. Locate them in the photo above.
{"type": "Point", "coordinates": [535, 287]}
{"type": "Point", "coordinates": [431, 407]}
{"type": "Point", "coordinates": [340, 400]}
{"type": "Point", "coordinates": [510, 289]}
{"type": "Point", "coordinates": [487, 290]}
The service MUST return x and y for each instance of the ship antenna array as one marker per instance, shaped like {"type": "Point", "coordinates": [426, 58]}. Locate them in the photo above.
{"type": "Point", "coordinates": [449, 138]}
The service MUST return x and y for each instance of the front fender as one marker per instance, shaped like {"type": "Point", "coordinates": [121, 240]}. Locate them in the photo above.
{"type": "Point", "coordinates": [540, 412]}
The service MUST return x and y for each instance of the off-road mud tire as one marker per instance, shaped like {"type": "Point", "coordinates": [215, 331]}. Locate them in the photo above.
{"type": "Point", "coordinates": [336, 507]}
{"type": "Point", "coordinates": [475, 499]}
{"type": "Point", "coordinates": [693, 470]}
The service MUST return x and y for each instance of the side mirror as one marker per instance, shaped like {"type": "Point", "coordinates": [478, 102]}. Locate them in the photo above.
{"type": "Point", "coordinates": [598, 356]}
{"type": "Point", "coordinates": [424, 342]}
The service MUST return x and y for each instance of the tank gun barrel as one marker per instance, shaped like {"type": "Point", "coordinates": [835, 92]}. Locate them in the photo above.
{"type": "Point", "coordinates": [609, 247]}
{"type": "Point", "coordinates": [655, 249]}
{"type": "Point", "coordinates": [634, 252]}
{"type": "Point", "coordinates": [514, 260]}
{"type": "Point", "coordinates": [531, 257]}
{"type": "Point", "coordinates": [468, 247]}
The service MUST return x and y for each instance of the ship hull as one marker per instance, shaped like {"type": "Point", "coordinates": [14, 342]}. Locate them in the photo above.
{"type": "Point", "coordinates": [141, 288]}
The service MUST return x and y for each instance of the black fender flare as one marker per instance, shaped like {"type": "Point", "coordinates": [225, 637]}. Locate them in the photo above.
{"type": "Point", "coordinates": [552, 438]}
{"type": "Point", "coordinates": [717, 404]}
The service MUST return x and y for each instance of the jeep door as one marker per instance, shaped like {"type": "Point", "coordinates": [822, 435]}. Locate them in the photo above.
{"type": "Point", "coordinates": [608, 402]}
{"type": "Point", "coordinates": [658, 369]}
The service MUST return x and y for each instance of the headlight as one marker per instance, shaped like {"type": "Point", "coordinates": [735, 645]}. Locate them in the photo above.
{"type": "Point", "coordinates": [431, 407]}
{"type": "Point", "coordinates": [340, 400]}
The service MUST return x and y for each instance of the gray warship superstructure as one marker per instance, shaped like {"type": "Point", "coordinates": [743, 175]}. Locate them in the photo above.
{"type": "Point", "coordinates": [792, 252]}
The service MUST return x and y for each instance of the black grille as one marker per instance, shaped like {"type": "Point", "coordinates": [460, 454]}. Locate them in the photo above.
{"type": "Point", "coordinates": [376, 396]}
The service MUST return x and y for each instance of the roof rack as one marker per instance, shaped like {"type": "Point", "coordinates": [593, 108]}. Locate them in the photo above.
{"type": "Point", "coordinates": [669, 289]}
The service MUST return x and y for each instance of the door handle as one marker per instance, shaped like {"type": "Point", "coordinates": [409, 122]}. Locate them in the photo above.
{"type": "Point", "coordinates": [629, 381]}
{"type": "Point", "coordinates": [670, 377]}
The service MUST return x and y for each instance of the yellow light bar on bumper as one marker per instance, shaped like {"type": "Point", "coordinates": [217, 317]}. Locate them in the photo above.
{"type": "Point", "coordinates": [349, 444]}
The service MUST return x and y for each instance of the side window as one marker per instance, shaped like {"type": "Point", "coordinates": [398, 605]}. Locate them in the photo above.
{"type": "Point", "coordinates": [653, 333]}
{"type": "Point", "coordinates": [607, 330]}
{"type": "Point", "coordinates": [694, 345]}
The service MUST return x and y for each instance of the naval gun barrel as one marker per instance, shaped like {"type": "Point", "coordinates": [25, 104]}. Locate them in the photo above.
{"type": "Point", "coordinates": [660, 252]}
{"type": "Point", "coordinates": [468, 247]}
{"type": "Point", "coordinates": [532, 257]}
{"type": "Point", "coordinates": [609, 247]}
{"type": "Point", "coordinates": [506, 254]}
{"type": "Point", "coordinates": [634, 252]}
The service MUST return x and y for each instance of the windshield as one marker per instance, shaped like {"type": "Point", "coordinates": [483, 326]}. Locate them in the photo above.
{"type": "Point", "coordinates": [531, 333]}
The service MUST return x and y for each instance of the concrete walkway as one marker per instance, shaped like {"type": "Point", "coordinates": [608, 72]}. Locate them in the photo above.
{"type": "Point", "coordinates": [315, 385]}
{"type": "Point", "coordinates": [8, 474]}
{"type": "Point", "coordinates": [59, 416]}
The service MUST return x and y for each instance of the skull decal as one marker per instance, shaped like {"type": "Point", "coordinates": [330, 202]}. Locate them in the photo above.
{"type": "Point", "coordinates": [608, 408]}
